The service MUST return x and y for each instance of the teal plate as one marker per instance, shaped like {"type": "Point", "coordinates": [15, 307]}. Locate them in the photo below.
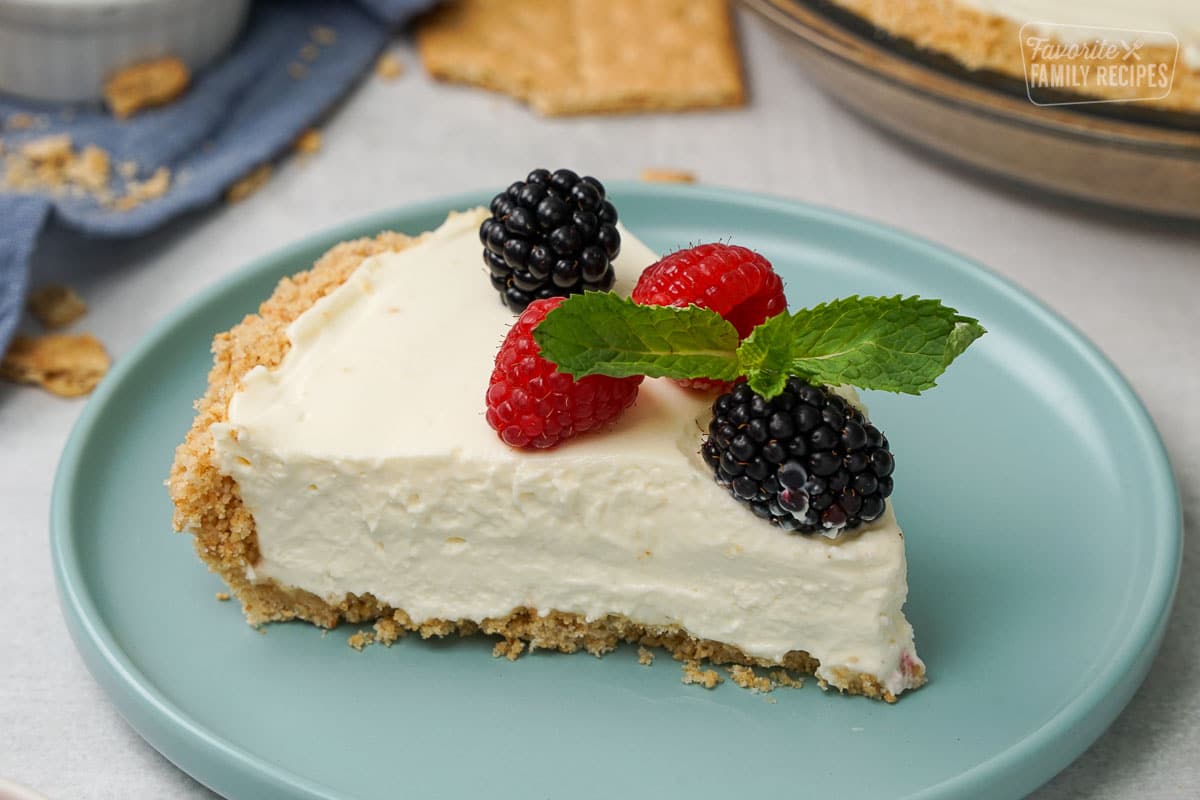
{"type": "Point", "coordinates": [1042, 523]}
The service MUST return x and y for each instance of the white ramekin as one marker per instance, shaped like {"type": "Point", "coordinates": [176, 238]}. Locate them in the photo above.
{"type": "Point", "coordinates": [62, 50]}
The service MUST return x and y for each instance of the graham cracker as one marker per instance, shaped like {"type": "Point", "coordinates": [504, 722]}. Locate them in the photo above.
{"type": "Point", "coordinates": [489, 43]}
{"type": "Point", "coordinates": [589, 56]}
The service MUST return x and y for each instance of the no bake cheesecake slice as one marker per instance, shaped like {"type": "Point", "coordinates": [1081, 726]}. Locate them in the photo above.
{"type": "Point", "coordinates": [341, 468]}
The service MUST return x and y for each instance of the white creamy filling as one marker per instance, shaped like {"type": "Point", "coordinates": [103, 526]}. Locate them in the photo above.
{"type": "Point", "coordinates": [1177, 18]}
{"type": "Point", "coordinates": [368, 466]}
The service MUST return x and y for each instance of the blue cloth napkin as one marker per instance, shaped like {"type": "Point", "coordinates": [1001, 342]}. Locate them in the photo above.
{"type": "Point", "coordinates": [241, 112]}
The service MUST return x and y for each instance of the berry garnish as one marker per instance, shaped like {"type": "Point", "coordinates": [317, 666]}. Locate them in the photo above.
{"type": "Point", "coordinates": [551, 235]}
{"type": "Point", "coordinates": [737, 283]}
{"type": "Point", "coordinates": [531, 404]}
{"type": "Point", "coordinates": [795, 452]}
{"type": "Point", "coordinates": [805, 460]}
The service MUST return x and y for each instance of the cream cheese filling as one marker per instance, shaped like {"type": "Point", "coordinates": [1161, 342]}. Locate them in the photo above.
{"type": "Point", "coordinates": [369, 468]}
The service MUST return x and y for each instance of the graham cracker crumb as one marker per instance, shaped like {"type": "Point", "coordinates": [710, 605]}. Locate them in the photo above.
{"type": "Point", "coordinates": [387, 631]}
{"type": "Point", "coordinates": [431, 628]}
{"type": "Point", "coordinates": [50, 164]}
{"type": "Point", "coordinates": [127, 169]}
{"type": "Point", "coordinates": [223, 596]}
{"type": "Point", "coordinates": [361, 639]}
{"type": "Point", "coordinates": [250, 184]}
{"type": "Point", "coordinates": [657, 175]}
{"type": "Point", "coordinates": [310, 53]}
{"type": "Point", "coordinates": [146, 85]}
{"type": "Point", "coordinates": [508, 648]}
{"type": "Point", "coordinates": [693, 674]}
{"type": "Point", "coordinates": [308, 142]}
{"type": "Point", "coordinates": [747, 678]}
{"type": "Point", "coordinates": [23, 121]}
{"type": "Point", "coordinates": [297, 70]}
{"type": "Point", "coordinates": [68, 365]}
{"type": "Point", "coordinates": [91, 170]}
{"type": "Point", "coordinates": [56, 306]}
{"type": "Point", "coordinates": [596, 56]}
{"type": "Point", "coordinates": [389, 67]}
{"type": "Point", "coordinates": [781, 678]}
{"type": "Point", "coordinates": [645, 657]}
{"type": "Point", "coordinates": [138, 192]}
{"type": "Point", "coordinates": [324, 35]}
{"type": "Point", "coordinates": [49, 149]}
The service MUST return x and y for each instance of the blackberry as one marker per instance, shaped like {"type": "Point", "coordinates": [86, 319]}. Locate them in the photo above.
{"type": "Point", "coordinates": [805, 460]}
{"type": "Point", "coordinates": [551, 235]}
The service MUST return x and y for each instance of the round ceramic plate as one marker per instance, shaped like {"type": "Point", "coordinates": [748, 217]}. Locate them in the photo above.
{"type": "Point", "coordinates": [1043, 534]}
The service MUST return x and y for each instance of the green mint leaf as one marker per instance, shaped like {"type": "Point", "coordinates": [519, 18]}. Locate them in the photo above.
{"type": "Point", "coordinates": [895, 344]}
{"type": "Point", "coordinates": [601, 333]}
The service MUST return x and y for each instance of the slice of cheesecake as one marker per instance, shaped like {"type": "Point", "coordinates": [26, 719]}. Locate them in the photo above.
{"type": "Point", "coordinates": [341, 468]}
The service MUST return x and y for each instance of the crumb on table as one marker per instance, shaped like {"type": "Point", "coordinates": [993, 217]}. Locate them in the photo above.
{"type": "Point", "coordinates": [24, 121]}
{"type": "Point", "coordinates": [645, 656]}
{"type": "Point", "coordinates": [138, 192]}
{"type": "Point", "coordinates": [68, 365]}
{"type": "Point", "coordinates": [323, 35]}
{"type": "Point", "coordinates": [249, 184]}
{"type": "Point", "coordinates": [308, 142]}
{"type": "Point", "coordinates": [661, 175]}
{"type": "Point", "coordinates": [146, 85]}
{"type": "Point", "coordinates": [52, 165]}
{"type": "Point", "coordinates": [389, 67]}
{"type": "Point", "coordinates": [55, 305]}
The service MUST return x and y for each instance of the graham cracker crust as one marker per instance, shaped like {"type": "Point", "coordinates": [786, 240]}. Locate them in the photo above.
{"type": "Point", "coordinates": [982, 41]}
{"type": "Point", "coordinates": [208, 505]}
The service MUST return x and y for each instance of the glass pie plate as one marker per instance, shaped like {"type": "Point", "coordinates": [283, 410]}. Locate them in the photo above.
{"type": "Point", "coordinates": [1121, 155]}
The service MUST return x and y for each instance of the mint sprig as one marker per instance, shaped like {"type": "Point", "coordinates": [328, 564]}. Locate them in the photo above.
{"type": "Point", "coordinates": [599, 333]}
{"type": "Point", "coordinates": [895, 344]}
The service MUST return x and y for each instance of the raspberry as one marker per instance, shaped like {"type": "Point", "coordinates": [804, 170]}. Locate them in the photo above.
{"type": "Point", "coordinates": [531, 404]}
{"type": "Point", "coordinates": [805, 460]}
{"type": "Point", "coordinates": [737, 283]}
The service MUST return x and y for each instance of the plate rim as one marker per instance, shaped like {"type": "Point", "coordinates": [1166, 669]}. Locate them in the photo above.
{"type": "Point", "coordinates": [163, 724]}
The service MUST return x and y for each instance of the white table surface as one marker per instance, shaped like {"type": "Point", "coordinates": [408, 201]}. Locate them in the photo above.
{"type": "Point", "coordinates": [1131, 284]}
